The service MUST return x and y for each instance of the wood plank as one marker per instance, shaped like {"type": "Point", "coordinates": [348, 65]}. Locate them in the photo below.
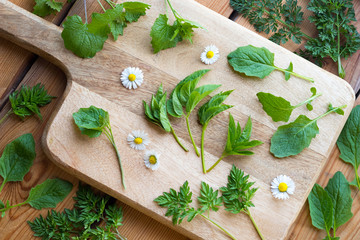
{"type": "Point", "coordinates": [220, 6]}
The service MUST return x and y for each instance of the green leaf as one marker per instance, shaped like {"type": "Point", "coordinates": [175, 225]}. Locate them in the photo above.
{"type": "Point", "coordinates": [292, 138]}
{"type": "Point", "coordinates": [208, 198]}
{"type": "Point", "coordinates": [134, 10]}
{"type": "Point", "coordinates": [288, 70]}
{"type": "Point", "coordinates": [17, 158]}
{"type": "Point", "coordinates": [162, 34]}
{"type": "Point", "coordinates": [278, 108]}
{"type": "Point", "coordinates": [78, 39]}
{"type": "Point", "coordinates": [252, 61]}
{"type": "Point", "coordinates": [91, 121]}
{"type": "Point", "coordinates": [2, 205]}
{"type": "Point", "coordinates": [43, 8]}
{"type": "Point", "coordinates": [199, 94]}
{"type": "Point", "coordinates": [49, 193]}
{"type": "Point", "coordinates": [321, 208]}
{"type": "Point", "coordinates": [339, 191]}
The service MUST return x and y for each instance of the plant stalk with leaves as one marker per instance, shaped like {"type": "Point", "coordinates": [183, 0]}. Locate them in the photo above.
{"type": "Point", "coordinates": [186, 95]}
{"type": "Point", "coordinates": [349, 143]}
{"type": "Point", "coordinates": [15, 163]}
{"type": "Point", "coordinates": [237, 141]}
{"type": "Point", "coordinates": [209, 110]}
{"type": "Point", "coordinates": [157, 113]}
{"type": "Point", "coordinates": [92, 122]}
{"type": "Point", "coordinates": [27, 101]}
{"type": "Point", "coordinates": [279, 109]}
{"type": "Point", "coordinates": [292, 138]}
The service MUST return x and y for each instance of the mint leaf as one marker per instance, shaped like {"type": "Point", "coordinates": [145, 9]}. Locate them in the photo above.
{"type": "Point", "coordinates": [163, 35]}
{"type": "Point", "coordinates": [339, 191]}
{"type": "Point", "coordinates": [134, 10]}
{"type": "Point", "coordinates": [78, 39]}
{"type": "Point", "coordinates": [17, 158]}
{"type": "Point", "coordinates": [43, 8]}
{"type": "Point", "coordinates": [49, 193]}
{"type": "Point", "coordinates": [321, 208]}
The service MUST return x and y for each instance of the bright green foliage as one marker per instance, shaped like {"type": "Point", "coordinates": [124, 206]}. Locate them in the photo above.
{"type": "Point", "coordinates": [156, 111]}
{"type": "Point", "coordinates": [349, 143]}
{"type": "Point", "coordinates": [83, 222]}
{"type": "Point", "coordinates": [27, 101]}
{"type": "Point", "coordinates": [85, 40]}
{"type": "Point", "coordinates": [279, 109]}
{"type": "Point", "coordinates": [331, 207]}
{"type": "Point", "coordinates": [92, 122]}
{"type": "Point", "coordinates": [258, 62]}
{"type": "Point", "coordinates": [43, 8]}
{"type": "Point", "coordinates": [17, 158]}
{"type": "Point", "coordinates": [49, 193]}
{"type": "Point", "coordinates": [292, 138]}
{"type": "Point", "coordinates": [238, 192]}
{"type": "Point", "coordinates": [270, 15]}
{"type": "Point", "coordinates": [166, 36]}
{"type": "Point", "coordinates": [208, 198]}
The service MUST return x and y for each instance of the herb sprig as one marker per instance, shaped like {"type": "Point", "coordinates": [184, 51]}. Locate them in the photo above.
{"type": "Point", "coordinates": [43, 8]}
{"type": "Point", "coordinates": [92, 122]}
{"type": "Point", "coordinates": [27, 101]}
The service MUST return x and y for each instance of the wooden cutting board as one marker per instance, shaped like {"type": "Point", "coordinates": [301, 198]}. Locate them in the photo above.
{"type": "Point", "coordinates": [96, 82]}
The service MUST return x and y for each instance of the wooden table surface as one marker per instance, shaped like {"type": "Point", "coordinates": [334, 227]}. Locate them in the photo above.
{"type": "Point", "coordinates": [18, 67]}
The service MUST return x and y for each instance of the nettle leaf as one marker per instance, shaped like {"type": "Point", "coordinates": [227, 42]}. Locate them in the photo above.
{"type": "Point", "coordinates": [134, 10]}
{"type": "Point", "coordinates": [339, 191]}
{"type": "Point", "coordinates": [78, 39]}
{"type": "Point", "coordinates": [49, 193]}
{"type": "Point", "coordinates": [163, 35]}
{"type": "Point", "coordinates": [17, 158]}
{"type": "Point", "coordinates": [321, 208]}
{"type": "Point", "coordinates": [213, 107]}
{"type": "Point", "coordinates": [252, 61]}
{"type": "Point", "coordinates": [208, 198]}
{"type": "Point", "coordinates": [91, 121]}
{"type": "Point", "coordinates": [43, 8]}
{"type": "Point", "coordinates": [238, 140]}
{"type": "Point", "coordinates": [349, 142]}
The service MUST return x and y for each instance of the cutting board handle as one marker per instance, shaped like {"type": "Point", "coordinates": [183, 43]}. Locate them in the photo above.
{"type": "Point", "coordinates": [35, 34]}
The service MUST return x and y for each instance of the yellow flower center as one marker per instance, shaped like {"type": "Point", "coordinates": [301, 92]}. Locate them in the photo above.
{"type": "Point", "coordinates": [138, 140]}
{"type": "Point", "coordinates": [283, 187]}
{"type": "Point", "coordinates": [132, 77]}
{"type": "Point", "coordinates": [152, 159]}
{"type": "Point", "coordinates": [209, 54]}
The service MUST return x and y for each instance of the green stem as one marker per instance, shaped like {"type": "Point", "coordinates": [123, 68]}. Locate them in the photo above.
{"type": "Point", "coordinates": [220, 227]}
{"type": "Point", "coordinates": [356, 176]}
{"type": "Point", "coordinates": [217, 162]}
{"type": "Point", "coordinates": [101, 5]}
{"type": "Point", "coordinates": [253, 222]}
{"type": "Point", "coordinates": [202, 147]}
{"type": "Point", "coordinates": [2, 185]}
{"type": "Point", "coordinates": [309, 100]}
{"type": "Point", "coordinates": [6, 116]}
{"type": "Point", "coordinates": [176, 14]}
{"type": "Point", "coordinates": [341, 70]}
{"type": "Point", "coordinates": [109, 2]}
{"type": "Point", "coordinates": [9, 207]}
{"type": "Point", "coordinates": [177, 140]}
{"type": "Point", "coordinates": [328, 112]}
{"type": "Point", "coordinates": [191, 137]}
{"type": "Point", "coordinates": [295, 74]}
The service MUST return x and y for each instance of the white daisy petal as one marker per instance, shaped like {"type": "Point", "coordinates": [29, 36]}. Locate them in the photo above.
{"type": "Point", "coordinates": [138, 139]}
{"type": "Point", "coordinates": [132, 77]}
{"type": "Point", "coordinates": [151, 159]}
{"type": "Point", "coordinates": [282, 186]}
{"type": "Point", "coordinates": [210, 54]}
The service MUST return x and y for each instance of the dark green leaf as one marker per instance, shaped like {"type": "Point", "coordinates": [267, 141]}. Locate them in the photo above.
{"type": "Point", "coordinates": [17, 158]}
{"type": "Point", "coordinates": [91, 121]}
{"type": "Point", "coordinates": [49, 193]}
{"type": "Point", "coordinates": [278, 108]}
{"type": "Point", "coordinates": [134, 10]}
{"type": "Point", "coordinates": [208, 198]}
{"type": "Point", "coordinates": [43, 8]}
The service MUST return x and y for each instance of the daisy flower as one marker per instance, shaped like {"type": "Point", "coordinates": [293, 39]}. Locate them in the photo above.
{"type": "Point", "coordinates": [132, 77]}
{"type": "Point", "coordinates": [151, 159]}
{"type": "Point", "coordinates": [138, 139]}
{"type": "Point", "coordinates": [210, 54]}
{"type": "Point", "coordinates": [282, 186]}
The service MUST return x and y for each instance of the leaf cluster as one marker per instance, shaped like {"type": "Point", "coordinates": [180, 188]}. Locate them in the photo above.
{"type": "Point", "coordinates": [43, 8]}
{"type": "Point", "coordinates": [166, 36]}
{"type": "Point", "coordinates": [270, 15]}
{"type": "Point", "coordinates": [349, 143]}
{"type": "Point", "coordinates": [331, 207]}
{"type": "Point", "coordinates": [86, 39]}
{"type": "Point", "coordinates": [238, 140]}
{"type": "Point", "coordinates": [93, 217]}
{"type": "Point", "coordinates": [292, 138]}
{"type": "Point", "coordinates": [27, 101]}
{"type": "Point", "coordinates": [279, 109]}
